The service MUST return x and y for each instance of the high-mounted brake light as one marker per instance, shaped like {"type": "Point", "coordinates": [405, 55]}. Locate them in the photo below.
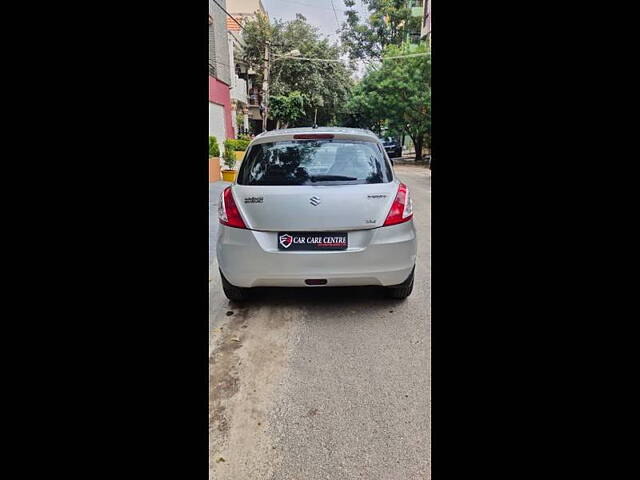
{"type": "Point", "coordinates": [312, 136]}
{"type": "Point", "coordinates": [228, 213]}
{"type": "Point", "coordinates": [401, 209]}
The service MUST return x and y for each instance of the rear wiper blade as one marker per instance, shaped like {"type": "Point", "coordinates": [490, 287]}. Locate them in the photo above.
{"type": "Point", "coordinates": [319, 178]}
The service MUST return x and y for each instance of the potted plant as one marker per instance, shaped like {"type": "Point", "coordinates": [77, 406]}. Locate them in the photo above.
{"type": "Point", "coordinates": [229, 173]}
{"type": "Point", "coordinates": [214, 160]}
{"type": "Point", "coordinates": [240, 146]}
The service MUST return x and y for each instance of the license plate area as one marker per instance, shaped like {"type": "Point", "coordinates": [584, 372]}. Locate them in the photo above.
{"type": "Point", "coordinates": [313, 241]}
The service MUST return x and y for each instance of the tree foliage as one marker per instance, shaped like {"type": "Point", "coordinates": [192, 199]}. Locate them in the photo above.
{"type": "Point", "coordinates": [389, 23]}
{"type": "Point", "coordinates": [286, 109]}
{"type": "Point", "coordinates": [396, 96]}
{"type": "Point", "coordinates": [237, 145]}
{"type": "Point", "coordinates": [229, 155]}
{"type": "Point", "coordinates": [256, 35]}
{"type": "Point", "coordinates": [325, 85]}
{"type": "Point", "coordinates": [214, 149]}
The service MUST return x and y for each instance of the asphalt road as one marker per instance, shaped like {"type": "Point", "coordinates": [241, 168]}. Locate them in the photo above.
{"type": "Point", "coordinates": [323, 383]}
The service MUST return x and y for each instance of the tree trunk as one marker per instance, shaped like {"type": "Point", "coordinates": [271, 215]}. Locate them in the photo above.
{"type": "Point", "coordinates": [418, 144]}
{"type": "Point", "coordinates": [278, 125]}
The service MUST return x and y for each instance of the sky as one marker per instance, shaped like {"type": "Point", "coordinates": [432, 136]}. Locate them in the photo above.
{"type": "Point", "coordinates": [317, 12]}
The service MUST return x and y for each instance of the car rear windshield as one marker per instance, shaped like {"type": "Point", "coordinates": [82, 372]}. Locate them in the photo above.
{"type": "Point", "coordinates": [314, 162]}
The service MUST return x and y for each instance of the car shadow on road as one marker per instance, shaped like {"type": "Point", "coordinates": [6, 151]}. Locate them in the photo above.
{"type": "Point", "coordinates": [318, 297]}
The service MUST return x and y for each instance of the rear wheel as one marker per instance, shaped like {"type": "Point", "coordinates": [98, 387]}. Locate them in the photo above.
{"type": "Point", "coordinates": [232, 292]}
{"type": "Point", "coordinates": [403, 290]}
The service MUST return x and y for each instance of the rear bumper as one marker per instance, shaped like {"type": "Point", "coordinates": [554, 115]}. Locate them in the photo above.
{"type": "Point", "coordinates": [381, 256]}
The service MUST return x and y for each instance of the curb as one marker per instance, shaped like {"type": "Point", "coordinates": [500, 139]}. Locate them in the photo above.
{"type": "Point", "coordinates": [410, 162]}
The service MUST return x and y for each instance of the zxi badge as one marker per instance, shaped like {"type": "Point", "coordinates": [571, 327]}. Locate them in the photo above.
{"type": "Point", "coordinates": [285, 240]}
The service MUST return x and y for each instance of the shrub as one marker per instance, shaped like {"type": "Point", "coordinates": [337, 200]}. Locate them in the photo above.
{"type": "Point", "coordinates": [229, 154]}
{"type": "Point", "coordinates": [239, 145]}
{"type": "Point", "coordinates": [214, 149]}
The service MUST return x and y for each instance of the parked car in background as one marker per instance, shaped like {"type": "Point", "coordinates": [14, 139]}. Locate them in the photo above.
{"type": "Point", "coordinates": [392, 147]}
{"type": "Point", "coordinates": [316, 207]}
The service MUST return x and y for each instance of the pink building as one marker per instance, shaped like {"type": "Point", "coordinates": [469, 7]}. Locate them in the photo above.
{"type": "Point", "coordinates": [220, 108]}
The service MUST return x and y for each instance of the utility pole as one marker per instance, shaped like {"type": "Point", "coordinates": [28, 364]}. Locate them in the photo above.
{"type": "Point", "coordinates": [265, 86]}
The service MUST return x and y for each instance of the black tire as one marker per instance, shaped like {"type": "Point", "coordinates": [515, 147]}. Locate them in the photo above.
{"type": "Point", "coordinates": [402, 291]}
{"type": "Point", "coordinates": [232, 292]}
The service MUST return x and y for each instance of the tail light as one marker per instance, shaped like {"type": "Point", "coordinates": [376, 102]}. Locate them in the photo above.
{"type": "Point", "coordinates": [402, 208]}
{"type": "Point", "coordinates": [228, 212]}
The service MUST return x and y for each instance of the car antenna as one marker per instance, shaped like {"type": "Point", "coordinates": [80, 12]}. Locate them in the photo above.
{"type": "Point", "coordinates": [315, 117]}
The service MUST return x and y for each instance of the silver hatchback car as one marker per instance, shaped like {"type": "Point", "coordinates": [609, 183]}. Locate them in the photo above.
{"type": "Point", "coordinates": [316, 207]}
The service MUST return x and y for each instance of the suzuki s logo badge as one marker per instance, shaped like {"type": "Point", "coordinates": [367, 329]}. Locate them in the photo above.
{"type": "Point", "coordinates": [315, 201]}
{"type": "Point", "coordinates": [285, 240]}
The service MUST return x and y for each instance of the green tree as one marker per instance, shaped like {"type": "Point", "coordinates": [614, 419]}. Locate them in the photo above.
{"type": "Point", "coordinates": [287, 108]}
{"type": "Point", "coordinates": [396, 96]}
{"type": "Point", "coordinates": [257, 34]}
{"type": "Point", "coordinates": [362, 109]}
{"type": "Point", "coordinates": [324, 85]}
{"type": "Point", "coordinates": [389, 23]}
